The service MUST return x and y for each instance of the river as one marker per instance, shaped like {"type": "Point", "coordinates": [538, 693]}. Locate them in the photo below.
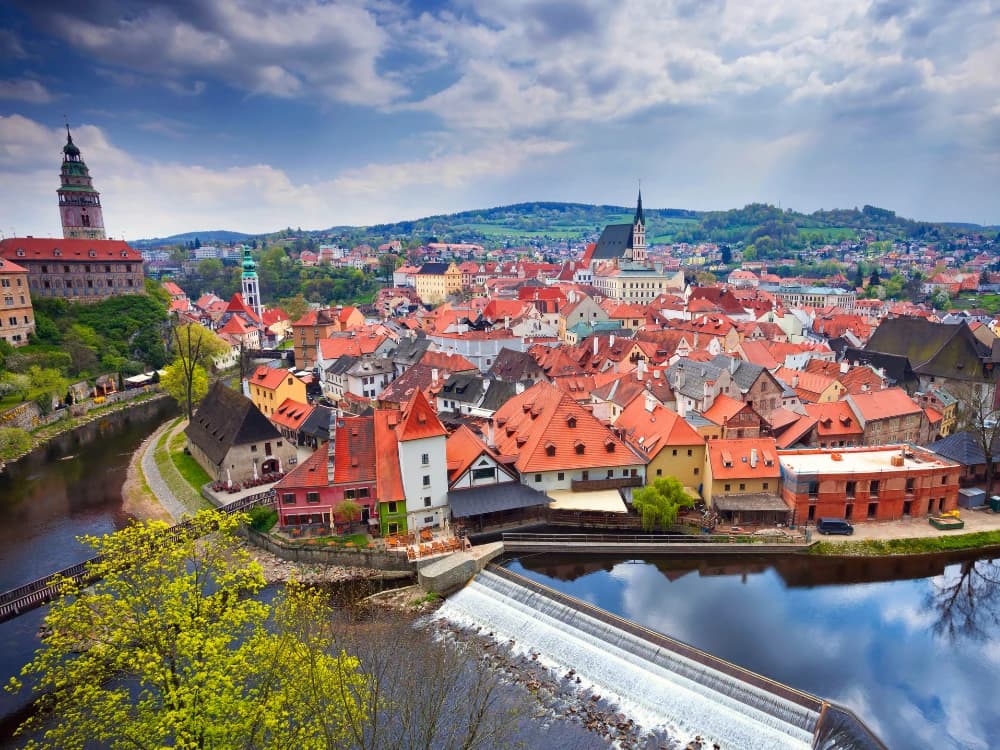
{"type": "Point", "coordinates": [908, 644]}
{"type": "Point", "coordinates": [69, 487]}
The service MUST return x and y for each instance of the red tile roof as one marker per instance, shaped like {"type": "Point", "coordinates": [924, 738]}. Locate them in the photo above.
{"type": "Point", "coordinates": [309, 474]}
{"type": "Point", "coordinates": [389, 480]}
{"type": "Point", "coordinates": [237, 305]}
{"type": "Point", "coordinates": [9, 266]}
{"type": "Point", "coordinates": [835, 420]}
{"type": "Point", "coordinates": [463, 448]}
{"type": "Point", "coordinates": [269, 377]}
{"type": "Point", "coordinates": [727, 457]}
{"type": "Point", "coordinates": [544, 420]}
{"type": "Point", "coordinates": [354, 457]}
{"type": "Point", "coordinates": [235, 326]}
{"type": "Point", "coordinates": [419, 420]}
{"type": "Point", "coordinates": [59, 249]}
{"type": "Point", "coordinates": [892, 402]}
{"type": "Point", "coordinates": [723, 409]}
{"type": "Point", "coordinates": [447, 362]}
{"type": "Point", "coordinates": [650, 430]}
{"type": "Point", "coordinates": [291, 413]}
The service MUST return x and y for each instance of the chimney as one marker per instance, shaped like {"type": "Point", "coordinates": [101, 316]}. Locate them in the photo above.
{"type": "Point", "coordinates": [640, 368]}
{"type": "Point", "coordinates": [518, 387]}
{"type": "Point", "coordinates": [734, 365]}
{"type": "Point", "coordinates": [434, 375]}
{"type": "Point", "coordinates": [753, 458]}
{"type": "Point", "coordinates": [656, 374]}
{"type": "Point", "coordinates": [795, 381]}
{"type": "Point", "coordinates": [331, 446]}
{"type": "Point", "coordinates": [611, 341]}
{"type": "Point", "coordinates": [595, 346]}
{"type": "Point", "coordinates": [844, 367]}
{"type": "Point", "coordinates": [650, 402]}
{"type": "Point", "coordinates": [506, 321]}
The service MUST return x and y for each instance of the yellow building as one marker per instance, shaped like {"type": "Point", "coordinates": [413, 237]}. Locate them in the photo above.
{"type": "Point", "coordinates": [269, 387]}
{"type": "Point", "coordinates": [435, 281]}
{"type": "Point", "coordinates": [670, 444]}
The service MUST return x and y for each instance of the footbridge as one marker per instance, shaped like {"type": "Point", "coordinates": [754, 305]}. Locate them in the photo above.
{"type": "Point", "coordinates": [41, 591]}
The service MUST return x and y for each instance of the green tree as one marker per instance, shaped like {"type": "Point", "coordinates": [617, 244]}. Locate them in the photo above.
{"type": "Point", "coordinates": [658, 503]}
{"type": "Point", "coordinates": [194, 347]}
{"type": "Point", "coordinates": [171, 648]}
{"type": "Point", "coordinates": [187, 385]}
{"type": "Point", "coordinates": [47, 385]}
{"type": "Point", "coordinates": [295, 307]}
{"type": "Point", "coordinates": [875, 279]}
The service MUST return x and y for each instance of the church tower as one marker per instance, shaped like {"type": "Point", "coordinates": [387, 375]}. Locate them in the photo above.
{"type": "Point", "coordinates": [79, 203]}
{"type": "Point", "coordinates": [639, 234]}
{"type": "Point", "coordinates": [251, 285]}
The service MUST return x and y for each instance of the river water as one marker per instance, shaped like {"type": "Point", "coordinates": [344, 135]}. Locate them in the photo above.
{"type": "Point", "coordinates": [69, 487]}
{"type": "Point", "coordinates": [908, 644]}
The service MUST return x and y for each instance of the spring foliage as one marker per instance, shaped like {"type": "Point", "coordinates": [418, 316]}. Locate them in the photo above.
{"type": "Point", "coordinates": [658, 503]}
{"type": "Point", "coordinates": [171, 648]}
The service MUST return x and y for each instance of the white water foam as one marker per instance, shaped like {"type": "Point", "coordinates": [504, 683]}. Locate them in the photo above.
{"type": "Point", "coordinates": [656, 687]}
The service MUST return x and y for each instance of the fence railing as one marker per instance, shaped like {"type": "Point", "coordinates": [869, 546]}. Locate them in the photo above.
{"type": "Point", "coordinates": [653, 538]}
{"type": "Point", "coordinates": [36, 593]}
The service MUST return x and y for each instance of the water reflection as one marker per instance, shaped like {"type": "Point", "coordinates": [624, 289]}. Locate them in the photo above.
{"type": "Point", "coordinates": [967, 600]}
{"type": "Point", "coordinates": [901, 645]}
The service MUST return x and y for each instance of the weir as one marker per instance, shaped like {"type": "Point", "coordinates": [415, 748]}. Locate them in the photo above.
{"type": "Point", "coordinates": [659, 681]}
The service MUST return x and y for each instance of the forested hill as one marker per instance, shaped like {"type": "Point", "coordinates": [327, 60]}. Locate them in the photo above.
{"type": "Point", "coordinates": [532, 223]}
{"type": "Point", "coordinates": [547, 223]}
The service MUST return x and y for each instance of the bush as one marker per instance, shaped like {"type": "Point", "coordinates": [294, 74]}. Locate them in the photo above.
{"type": "Point", "coordinates": [13, 442]}
{"type": "Point", "coordinates": [262, 518]}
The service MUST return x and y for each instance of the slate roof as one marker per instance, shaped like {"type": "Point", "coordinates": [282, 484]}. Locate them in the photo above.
{"type": "Point", "coordinates": [493, 498]}
{"type": "Point", "coordinates": [613, 242]}
{"type": "Point", "coordinates": [964, 448]}
{"type": "Point", "coordinates": [896, 367]}
{"type": "Point", "coordinates": [497, 394]}
{"type": "Point", "coordinates": [466, 387]}
{"type": "Point", "coordinates": [950, 351]}
{"type": "Point", "coordinates": [512, 365]}
{"type": "Point", "coordinates": [410, 350]}
{"type": "Point", "coordinates": [695, 375]}
{"type": "Point", "coordinates": [317, 424]}
{"type": "Point", "coordinates": [433, 269]}
{"type": "Point", "coordinates": [744, 373]}
{"type": "Point", "coordinates": [226, 419]}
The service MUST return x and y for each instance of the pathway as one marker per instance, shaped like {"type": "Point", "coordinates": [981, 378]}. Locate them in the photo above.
{"type": "Point", "coordinates": [975, 520]}
{"type": "Point", "coordinates": [155, 480]}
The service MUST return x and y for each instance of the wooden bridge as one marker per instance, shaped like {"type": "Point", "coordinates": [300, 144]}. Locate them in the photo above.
{"type": "Point", "coordinates": [33, 595]}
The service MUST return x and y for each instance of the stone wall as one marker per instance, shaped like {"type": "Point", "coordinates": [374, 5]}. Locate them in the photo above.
{"type": "Point", "coordinates": [362, 558]}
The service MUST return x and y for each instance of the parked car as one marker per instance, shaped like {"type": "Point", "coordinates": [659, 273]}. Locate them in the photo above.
{"type": "Point", "coordinates": [834, 526]}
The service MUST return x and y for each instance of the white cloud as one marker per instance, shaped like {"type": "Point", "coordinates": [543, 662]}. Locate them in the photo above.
{"type": "Point", "coordinates": [143, 197]}
{"type": "Point", "coordinates": [25, 90]}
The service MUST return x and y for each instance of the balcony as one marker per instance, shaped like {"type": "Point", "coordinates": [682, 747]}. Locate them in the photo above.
{"type": "Point", "coordinates": [590, 485]}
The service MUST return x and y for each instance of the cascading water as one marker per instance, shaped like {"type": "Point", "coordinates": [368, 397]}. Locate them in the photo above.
{"type": "Point", "coordinates": [658, 686]}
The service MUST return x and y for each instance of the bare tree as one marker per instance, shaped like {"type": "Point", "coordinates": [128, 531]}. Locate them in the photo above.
{"type": "Point", "coordinates": [968, 605]}
{"type": "Point", "coordinates": [979, 415]}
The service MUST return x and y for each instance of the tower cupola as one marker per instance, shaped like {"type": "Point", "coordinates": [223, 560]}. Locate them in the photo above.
{"type": "Point", "coordinates": [79, 203]}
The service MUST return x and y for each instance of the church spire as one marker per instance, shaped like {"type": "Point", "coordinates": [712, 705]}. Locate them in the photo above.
{"type": "Point", "coordinates": [79, 202]}
{"type": "Point", "coordinates": [639, 218]}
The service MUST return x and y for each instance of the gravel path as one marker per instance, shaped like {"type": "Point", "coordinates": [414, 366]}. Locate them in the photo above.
{"type": "Point", "coordinates": [154, 479]}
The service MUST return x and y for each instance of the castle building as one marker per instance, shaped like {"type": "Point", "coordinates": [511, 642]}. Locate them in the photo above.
{"type": "Point", "coordinates": [79, 202]}
{"type": "Point", "coordinates": [83, 266]}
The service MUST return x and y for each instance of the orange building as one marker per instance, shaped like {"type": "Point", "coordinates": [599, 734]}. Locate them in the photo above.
{"type": "Point", "coordinates": [882, 483]}
{"type": "Point", "coordinates": [17, 317]}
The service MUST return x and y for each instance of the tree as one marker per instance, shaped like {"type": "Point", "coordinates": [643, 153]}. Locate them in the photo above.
{"type": "Point", "coordinates": [350, 511]}
{"type": "Point", "coordinates": [171, 648]}
{"type": "Point", "coordinates": [186, 386]}
{"type": "Point", "coordinates": [978, 415]}
{"type": "Point", "coordinates": [195, 347]}
{"type": "Point", "coordinates": [705, 278]}
{"type": "Point", "coordinates": [967, 604]}
{"type": "Point", "coordinates": [295, 307]}
{"type": "Point", "coordinates": [874, 279]}
{"type": "Point", "coordinates": [658, 503]}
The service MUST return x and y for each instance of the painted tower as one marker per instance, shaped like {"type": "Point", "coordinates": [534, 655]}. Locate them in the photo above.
{"type": "Point", "coordinates": [79, 203]}
{"type": "Point", "coordinates": [639, 234]}
{"type": "Point", "coordinates": [251, 284]}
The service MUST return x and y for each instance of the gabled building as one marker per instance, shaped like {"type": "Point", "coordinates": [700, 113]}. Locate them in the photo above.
{"type": "Point", "coordinates": [435, 281]}
{"type": "Point", "coordinates": [421, 440]}
{"type": "Point", "coordinates": [612, 398]}
{"type": "Point", "coordinates": [889, 416]}
{"type": "Point", "coordinates": [233, 441]}
{"type": "Point", "coordinates": [734, 418]}
{"type": "Point", "coordinates": [743, 481]}
{"type": "Point", "coordinates": [17, 317]}
{"type": "Point", "coordinates": [269, 387]}
{"type": "Point", "coordinates": [669, 443]}
{"type": "Point", "coordinates": [561, 446]}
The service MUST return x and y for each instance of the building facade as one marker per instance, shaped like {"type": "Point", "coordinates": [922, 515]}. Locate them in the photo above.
{"type": "Point", "coordinates": [77, 270]}
{"type": "Point", "coordinates": [882, 483]}
{"type": "Point", "coordinates": [17, 317]}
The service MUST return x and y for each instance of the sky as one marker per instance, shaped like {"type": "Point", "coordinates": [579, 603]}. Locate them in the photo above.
{"type": "Point", "coordinates": [254, 115]}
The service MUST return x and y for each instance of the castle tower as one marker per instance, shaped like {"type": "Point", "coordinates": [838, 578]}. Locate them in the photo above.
{"type": "Point", "coordinates": [79, 203]}
{"type": "Point", "coordinates": [251, 285]}
{"type": "Point", "coordinates": [639, 234]}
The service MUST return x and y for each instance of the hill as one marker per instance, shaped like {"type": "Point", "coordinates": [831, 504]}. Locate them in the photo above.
{"type": "Point", "coordinates": [212, 235]}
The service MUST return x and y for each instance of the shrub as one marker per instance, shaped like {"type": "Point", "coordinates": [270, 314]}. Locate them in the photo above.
{"type": "Point", "coordinates": [262, 518]}
{"type": "Point", "coordinates": [13, 442]}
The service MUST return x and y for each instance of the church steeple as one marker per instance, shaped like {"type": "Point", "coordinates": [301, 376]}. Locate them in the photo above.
{"type": "Point", "coordinates": [639, 233]}
{"type": "Point", "coordinates": [79, 202]}
{"type": "Point", "coordinates": [251, 284]}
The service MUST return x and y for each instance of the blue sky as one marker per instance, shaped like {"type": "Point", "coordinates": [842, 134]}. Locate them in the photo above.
{"type": "Point", "coordinates": [253, 115]}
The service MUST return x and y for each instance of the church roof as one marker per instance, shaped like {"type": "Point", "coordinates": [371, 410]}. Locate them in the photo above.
{"type": "Point", "coordinates": [613, 242]}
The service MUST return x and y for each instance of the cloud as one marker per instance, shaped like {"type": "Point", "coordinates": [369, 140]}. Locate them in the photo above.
{"type": "Point", "coordinates": [278, 49]}
{"type": "Point", "coordinates": [145, 197]}
{"type": "Point", "coordinates": [25, 90]}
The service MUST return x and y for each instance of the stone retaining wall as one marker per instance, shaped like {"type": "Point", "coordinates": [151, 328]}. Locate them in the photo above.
{"type": "Point", "coordinates": [362, 558]}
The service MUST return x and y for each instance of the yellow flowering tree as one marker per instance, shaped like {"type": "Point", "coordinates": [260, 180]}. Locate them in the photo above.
{"type": "Point", "coordinates": [171, 647]}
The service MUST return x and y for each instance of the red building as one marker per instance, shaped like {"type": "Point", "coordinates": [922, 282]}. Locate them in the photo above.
{"type": "Point", "coordinates": [882, 483]}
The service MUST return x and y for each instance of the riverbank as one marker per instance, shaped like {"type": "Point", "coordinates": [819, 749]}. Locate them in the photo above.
{"type": "Point", "coordinates": [912, 536]}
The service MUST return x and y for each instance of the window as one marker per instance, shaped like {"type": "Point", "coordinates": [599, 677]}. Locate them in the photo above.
{"type": "Point", "coordinates": [390, 507]}
{"type": "Point", "coordinates": [689, 452]}
{"type": "Point", "coordinates": [312, 497]}
{"type": "Point", "coordinates": [659, 472]}
{"type": "Point", "coordinates": [944, 480]}
{"type": "Point", "coordinates": [538, 478]}
{"type": "Point", "coordinates": [696, 471]}
{"type": "Point", "coordinates": [873, 488]}
{"type": "Point", "coordinates": [428, 519]}
{"type": "Point", "coordinates": [487, 473]}
{"type": "Point", "coordinates": [363, 492]}
{"type": "Point", "coordinates": [427, 480]}
{"type": "Point", "coordinates": [253, 448]}
{"type": "Point", "coordinates": [348, 494]}
{"type": "Point", "coordinates": [611, 473]}
{"type": "Point", "coordinates": [813, 488]}
{"type": "Point", "coordinates": [742, 486]}
{"type": "Point", "coordinates": [851, 486]}
{"type": "Point", "coordinates": [765, 486]}
{"type": "Point", "coordinates": [726, 487]}
{"type": "Point", "coordinates": [427, 502]}
{"type": "Point", "coordinates": [561, 476]}
{"type": "Point", "coordinates": [288, 498]}
{"type": "Point", "coordinates": [910, 484]}
{"type": "Point", "coordinates": [674, 451]}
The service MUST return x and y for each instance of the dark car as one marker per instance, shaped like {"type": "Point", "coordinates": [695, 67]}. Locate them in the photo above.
{"type": "Point", "coordinates": [834, 526]}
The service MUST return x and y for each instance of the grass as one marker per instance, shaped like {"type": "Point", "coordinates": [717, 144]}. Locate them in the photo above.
{"type": "Point", "coordinates": [186, 464]}
{"type": "Point", "coordinates": [356, 540]}
{"type": "Point", "coordinates": [426, 599]}
{"type": "Point", "coordinates": [916, 546]}
{"type": "Point", "coordinates": [188, 494]}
